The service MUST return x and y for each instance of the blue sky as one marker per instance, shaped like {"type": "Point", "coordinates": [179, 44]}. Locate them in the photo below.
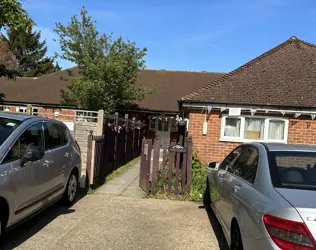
{"type": "Point", "coordinates": [198, 35]}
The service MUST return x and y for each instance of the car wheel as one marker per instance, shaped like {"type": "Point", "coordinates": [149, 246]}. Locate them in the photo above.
{"type": "Point", "coordinates": [206, 197]}
{"type": "Point", "coordinates": [236, 241]}
{"type": "Point", "coordinates": [71, 189]}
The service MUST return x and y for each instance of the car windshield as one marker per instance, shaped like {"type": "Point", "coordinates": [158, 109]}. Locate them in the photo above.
{"type": "Point", "coordinates": [7, 126]}
{"type": "Point", "coordinates": [293, 169]}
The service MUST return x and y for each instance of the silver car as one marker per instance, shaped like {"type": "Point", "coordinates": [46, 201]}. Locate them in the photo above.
{"type": "Point", "coordinates": [39, 163]}
{"type": "Point", "coordinates": [264, 196]}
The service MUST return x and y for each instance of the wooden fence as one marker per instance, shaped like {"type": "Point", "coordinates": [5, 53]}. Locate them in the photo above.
{"type": "Point", "coordinates": [166, 170]}
{"type": "Point", "coordinates": [119, 144]}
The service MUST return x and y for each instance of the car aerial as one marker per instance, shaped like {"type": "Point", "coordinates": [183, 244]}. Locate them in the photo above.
{"type": "Point", "coordinates": [263, 195]}
{"type": "Point", "coordinates": [40, 163]}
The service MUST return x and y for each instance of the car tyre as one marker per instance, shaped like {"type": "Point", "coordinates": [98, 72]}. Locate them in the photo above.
{"type": "Point", "coordinates": [206, 197]}
{"type": "Point", "coordinates": [71, 189]}
{"type": "Point", "coordinates": [236, 240]}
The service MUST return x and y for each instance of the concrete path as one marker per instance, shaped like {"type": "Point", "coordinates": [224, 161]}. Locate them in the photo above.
{"type": "Point", "coordinates": [126, 184]}
{"type": "Point", "coordinates": [116, 217]}
{"type": "Point", "coordinates": [107, 222]}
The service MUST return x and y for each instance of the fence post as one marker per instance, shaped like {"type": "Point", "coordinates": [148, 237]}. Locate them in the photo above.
{"type": "Point", "coordinates": [155, 163]}
{"type": "Point", "coordinates": [116, 115]}
{"type": "Point", "coordinates": [133, 129]}
{"type": "Point", "coordinates": [100, 122]}
{"type": "Point", "coordinates": [125, 143]}
{"type": "Point", "coordinates": [29, 109]}
{"type": "Point", "coordinates": [89, 159]}
{"type": "Point", "coordinates": [189, 164]}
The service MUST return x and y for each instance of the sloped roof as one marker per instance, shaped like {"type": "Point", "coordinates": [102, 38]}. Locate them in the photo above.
{"type": "Point", "coordinates": [168, 87]}
{"type": "Point", "coordinates": [283, 76]}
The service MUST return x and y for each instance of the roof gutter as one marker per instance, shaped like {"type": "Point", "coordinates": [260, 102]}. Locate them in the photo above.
{"type": "Point", "coordinates": [221, 105]}
{"type": "Point", "coordinates": [44, 105]}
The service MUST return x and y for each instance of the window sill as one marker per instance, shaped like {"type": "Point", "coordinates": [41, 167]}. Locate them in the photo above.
{"type": "Point", "coordinates": [248, 140]}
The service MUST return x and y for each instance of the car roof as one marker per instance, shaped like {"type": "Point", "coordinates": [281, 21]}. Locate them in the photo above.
{"type": "Point", "coordinates": [288, 147]}
{"type": "Point", "coordinates": [16, 116]}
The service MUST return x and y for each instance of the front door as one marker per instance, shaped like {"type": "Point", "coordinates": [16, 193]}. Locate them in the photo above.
{"type": "Point", "coordinates": [163, 131]}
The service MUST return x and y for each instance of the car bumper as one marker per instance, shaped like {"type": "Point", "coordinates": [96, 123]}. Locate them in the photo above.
{"type": "Point", "coordinates": [263, 244]}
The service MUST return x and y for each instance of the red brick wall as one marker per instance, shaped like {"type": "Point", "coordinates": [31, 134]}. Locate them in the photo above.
{"type": "Point", "coordinates": [209, 148]}
{"type": "Point", "coordinates": [64, 114]}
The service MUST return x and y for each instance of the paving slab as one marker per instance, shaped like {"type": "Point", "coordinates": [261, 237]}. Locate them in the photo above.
{"type": "Point", "coordinates": [126, 184]}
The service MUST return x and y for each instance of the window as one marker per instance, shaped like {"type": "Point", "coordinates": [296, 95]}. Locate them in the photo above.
{"type": "Point", "coordinates": [55, 135]}
{"type": "Point", "coordinates": [174, 125]}
{"type": "Point", "coordinates": [230, 160]}
{"type": "Point", "coordinates": [152, 123]}
{"type": "Point", "coordinates": [246, 164]}
{"type": "Point", "coordinates": [163, 124]}
{"type": "Point", "coordinates": [7, 126]}
{"type": "Point", "coordinates": [293, 169]}
{"type": "Point", "coordinates": [254, 128]}
{"type": "Point", "coordinates": [32, 136]}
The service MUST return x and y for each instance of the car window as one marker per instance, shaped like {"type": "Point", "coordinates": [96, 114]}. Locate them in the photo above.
{"type": "Point", "coordinates": [31, 136]}
{"type": "Point", "coordinates": [293, 169]}
{"type": "Point", "coordinates": [7, 126]}
{"type": "Point", "coordinates": [246, 164]}
{"type": "Point", "coordinates": [55, 135]}
{"type": "Point", "coordinates": [230, 160]}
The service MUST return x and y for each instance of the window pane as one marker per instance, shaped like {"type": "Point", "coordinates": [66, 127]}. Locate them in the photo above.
{"type": "Point", "coordinates": [254, 128]}
{"type": "Point", "coordinates": [55, 135]}
{"type": "Point", "coordinates": [163, 124]}
{"type": "Point", "coordinates": [246, 165]}
{"type": "Point", "coordinates": [232, 127]}
{"type": "Point", "coordinates": [293, 169]}
{"type": "Point", "coordinates": [32, 136]}
{"type": "Point", "coordinates": [276, 130]}
{"type": "Point", "coordinates": [152, 123]}
{"type": "Point", "coordinates": [230, 160]}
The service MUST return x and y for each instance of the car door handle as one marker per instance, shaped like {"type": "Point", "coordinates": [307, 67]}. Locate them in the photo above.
{"type": "Point", "coordinates": [236, 188]}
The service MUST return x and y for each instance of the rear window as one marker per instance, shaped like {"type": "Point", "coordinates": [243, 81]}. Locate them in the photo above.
{"type": "Point", "coordinates": [293, 169]}
{"type": "Point", "coordinates": [7, 126]}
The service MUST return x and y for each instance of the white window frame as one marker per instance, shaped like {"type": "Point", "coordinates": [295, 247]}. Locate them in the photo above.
{"type": "Point", "coordinates": [242, 129]}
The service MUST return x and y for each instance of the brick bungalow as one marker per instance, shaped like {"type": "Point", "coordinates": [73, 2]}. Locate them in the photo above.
{"type": "Point", "coordinates": [159, 109]}
{"type": "Point", "coordinates": [270, 99]}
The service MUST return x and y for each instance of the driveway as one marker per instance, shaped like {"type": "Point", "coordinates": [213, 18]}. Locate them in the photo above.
{"type": "Point", "coordinates": [117, 222]}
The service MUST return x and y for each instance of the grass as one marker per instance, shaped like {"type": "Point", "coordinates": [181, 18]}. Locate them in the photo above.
{"type": "Point", "coordinates": [113, 175]}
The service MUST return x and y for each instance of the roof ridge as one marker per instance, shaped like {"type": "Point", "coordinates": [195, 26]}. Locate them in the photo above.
{"type": "Point", "coordinates": [188, 71]}
{"type": "Point", "coordinates": [246, 65]}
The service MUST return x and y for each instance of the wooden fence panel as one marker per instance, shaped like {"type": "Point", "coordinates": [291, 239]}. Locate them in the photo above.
{"type": "Point", "coordinates": [176, 184]}
{"type": "Point", "coordinates": [144, 175]}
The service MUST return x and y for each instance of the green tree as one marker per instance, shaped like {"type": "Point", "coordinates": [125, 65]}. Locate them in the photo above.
{"type": "Point", "coordinates": [12, 15]}
{"type": "Point", "coordinates": [108, 68]}
{"type": "Point", "coordinates": [29, 51]}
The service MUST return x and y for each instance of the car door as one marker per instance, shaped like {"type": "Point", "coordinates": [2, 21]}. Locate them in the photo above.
{"type": "Point", "coordinates": [238, 192]}
{"type": "Point", "coordinates": [29, 178]}
{"type": "Point", "coordinates": [219, 184]}
{"type": "Point", "coordinates": [56, 144]}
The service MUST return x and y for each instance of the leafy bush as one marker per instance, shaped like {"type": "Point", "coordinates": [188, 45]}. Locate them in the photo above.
{"type": "Point", "coordinates": [199, 175]}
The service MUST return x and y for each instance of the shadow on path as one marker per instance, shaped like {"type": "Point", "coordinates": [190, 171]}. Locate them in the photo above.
{"type": "Point", "coordinates": [17, 235]}
{"type": "Point", "coordinates": [217, 228]}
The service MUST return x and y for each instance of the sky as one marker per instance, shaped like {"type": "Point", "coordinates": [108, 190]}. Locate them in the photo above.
{"type": "Point", "coordinates": [194, 35]}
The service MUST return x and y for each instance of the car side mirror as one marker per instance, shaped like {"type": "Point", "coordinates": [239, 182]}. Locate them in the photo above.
{"type": "Point", "coordinates": [32, 153]}
{"type": "Point", "coordinates": [213, 165]}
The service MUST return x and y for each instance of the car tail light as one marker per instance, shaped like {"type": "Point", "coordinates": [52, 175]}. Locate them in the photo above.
{"type": "Point", "coordinates": [289, 235]}
{"type": "Point", "coordinates": [77, 146]}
